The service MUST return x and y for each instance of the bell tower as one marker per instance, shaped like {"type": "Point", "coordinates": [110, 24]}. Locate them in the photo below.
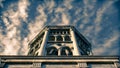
{"type": "Point", "coordinates": [59, 47]}
{"type": "Point", "coordinates": [59, 41]}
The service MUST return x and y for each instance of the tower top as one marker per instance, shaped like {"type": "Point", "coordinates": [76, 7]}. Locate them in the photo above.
{"type": "Point", "coordinates": [59, 41]}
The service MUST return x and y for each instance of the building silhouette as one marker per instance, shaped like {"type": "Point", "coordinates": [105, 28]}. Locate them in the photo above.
{"type": "Point", "coordinates": [59, 47]}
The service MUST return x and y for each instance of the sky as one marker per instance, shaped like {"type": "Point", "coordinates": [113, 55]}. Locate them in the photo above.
{"type": "Point", "coordinates": [97, 20]}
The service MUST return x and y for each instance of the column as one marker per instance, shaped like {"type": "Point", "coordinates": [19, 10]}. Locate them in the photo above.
{"type": "Point", "coordinates": [63, 38]}
{"type": "Point", "coordinates": [43, 45]}
{"type": "Point", "coordinates": [55, 38]}
{"type": "Point", "coordinates": [75, 45]}
{"type": "Point", "coordinates": [59, 52]}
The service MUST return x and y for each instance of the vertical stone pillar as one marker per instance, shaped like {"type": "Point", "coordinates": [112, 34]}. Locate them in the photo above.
{"type": "Point", "coordinates": [59, 52]}
{"type": "Point", "coordinates": [43, 45]}
{"type": "Point", "coordinates": [75, 45]}
{"type": "Point", "coordinates": [63, 38]}
{"type": "Point", "coordinates": [55, 38]}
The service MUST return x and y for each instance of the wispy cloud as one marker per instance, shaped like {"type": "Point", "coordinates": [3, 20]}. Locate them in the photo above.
{"type": "Point", "coordinates": [65, 19]}
{"type": "Point", "coordinates": [110, 46]}
{"type": "Point", "coordinates": [12, 18]}
{"type": "Point", "coordinates": [100, 12]}
{"type": "Point", "coordinates": [39, 22]}
{"type": "Point", "coordinates": [1, 3]}
{"type": "Point", "coordinates": [90, 17]}
{"type": "Point", "coordinates": [22, 9]}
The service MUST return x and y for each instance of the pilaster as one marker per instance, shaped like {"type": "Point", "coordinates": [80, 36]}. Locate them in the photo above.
{"type": "Point", "coordinates": [44, 42]}
{"type": "Point", "coordinates": [75, 45]}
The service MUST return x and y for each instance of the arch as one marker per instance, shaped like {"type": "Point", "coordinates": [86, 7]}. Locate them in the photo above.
{"type": "Point", "coordinates": [66, 51]}
{"type": "Point", "coordinates": [36, 54]}
{"type": "Point", "coordinates": [59, 38]}
{"type": "Point", "coordinates": [53, 45]}
{"type": "Point", "coordinates": [31, 52]}
{"type": "Point", "coordinates": [37, 46]}
{"type": "Point", "coordinates": [52, 38]}
{"type": "Point", "coordinates": [67, 38]}
{"type": "Point", "coordinates": [52, 51]}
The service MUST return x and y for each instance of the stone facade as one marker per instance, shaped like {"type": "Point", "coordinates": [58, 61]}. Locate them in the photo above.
{"type": "Point", "coordinates": [59, 41]}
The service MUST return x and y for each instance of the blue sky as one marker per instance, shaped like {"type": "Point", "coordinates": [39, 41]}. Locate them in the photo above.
{"type": "Point", "coordinates": [97, 20]}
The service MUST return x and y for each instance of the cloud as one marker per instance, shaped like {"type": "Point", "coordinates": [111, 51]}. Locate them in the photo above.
{"type": "Point", "coordinates": [22, 9]}
{"type": "Point", "coordinates": [100, 12]}
{"type": "Point", "coordinates": [49, 5]}
{"type": "Point", "coordinates": [68, 4]}
{"type": "Point", "coordinates": [2, 48]}
{"type": "Point", "coordinates": [110, 45]}
{"type": "Point", "coordinates": [1, 4]}
{"type": "Point", "coordinates": [87, 16]}
{"type": "Point", "coordinates": [65, 19]}
{"type": "Point", "coordinates": [42, 17]}
{"type": "Point", "coordinates": [12, 17]}
{"type": "Point", "coordinates": [36, 25]}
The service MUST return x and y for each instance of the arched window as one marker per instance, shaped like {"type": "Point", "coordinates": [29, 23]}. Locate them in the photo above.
{"type": "Point", "coordinates": [67, 38]}
{"type": "Point", "coordinates": [59, 38]}
{"type": "Point", "coordinates": [37, 46]}
{"type": "Point", "coordinates": [51, 38]}
{"type": "Point", "coordinates": [36, 54]}
{"type": "Point", "coordinates": [31, 52]}
{"type": "Point", "coordinates": [52, 51]}
{"type": "Point", "coordinates": [66, 51]}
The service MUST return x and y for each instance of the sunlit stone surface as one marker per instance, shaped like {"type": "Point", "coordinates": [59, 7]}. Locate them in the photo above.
{"type": "Point", "coordinates": [59, 41]}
